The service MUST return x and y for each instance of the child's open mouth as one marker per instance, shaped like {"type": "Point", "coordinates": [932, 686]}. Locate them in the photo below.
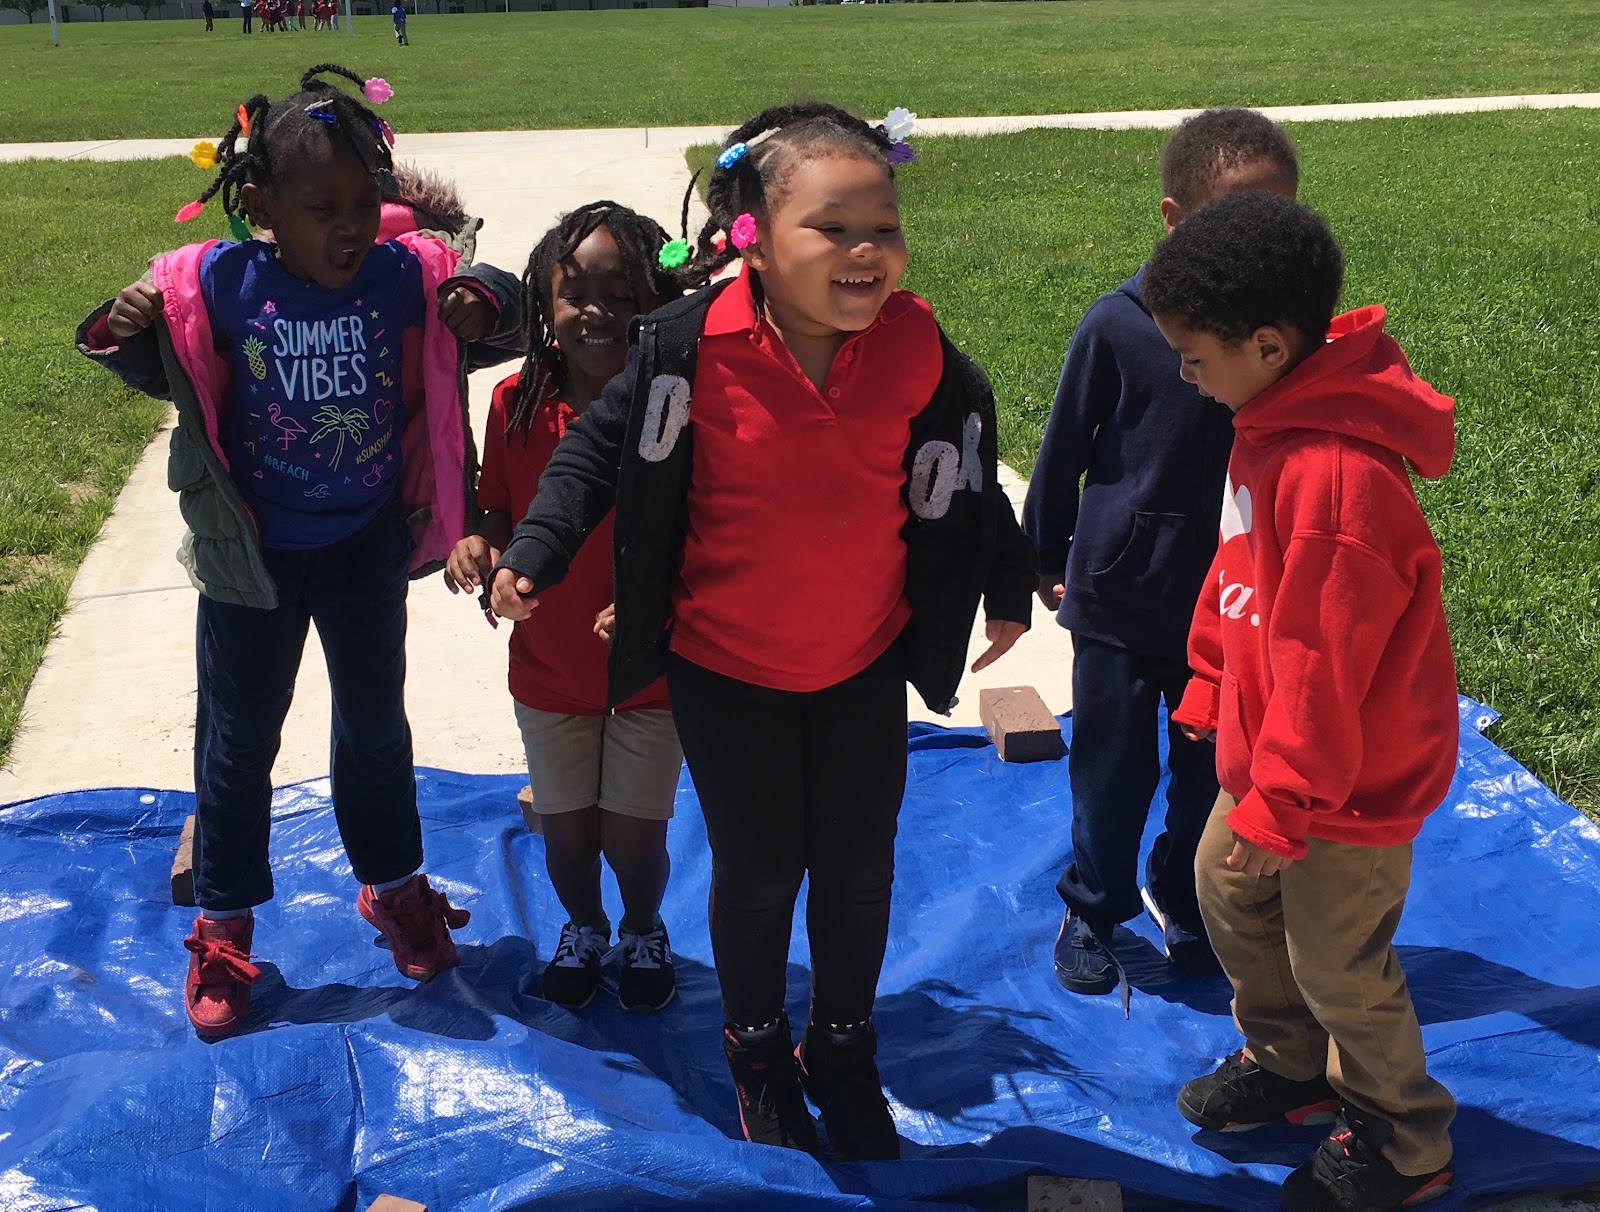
{"type": "Point", "coordinates": [345, 259]}
{"type": "Point", "coordinates": [859, 286]}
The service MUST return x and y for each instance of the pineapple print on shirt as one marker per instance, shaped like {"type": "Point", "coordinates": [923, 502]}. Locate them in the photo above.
{"type": "Point", "coordinates": [312, 432]}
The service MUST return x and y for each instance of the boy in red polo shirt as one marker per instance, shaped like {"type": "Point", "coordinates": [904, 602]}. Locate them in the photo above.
{"type": "Point", "coordinates": [603, 783]}
{"type": "Point", "coordinates": [1322, 667]}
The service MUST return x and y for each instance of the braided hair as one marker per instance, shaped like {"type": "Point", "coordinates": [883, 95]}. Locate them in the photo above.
{"type": "Point", "coordinates": [639, 239]}
{"type": "Point", "coordinates": [277, 132]}
{"type": "Point", "coordinates": [756, 181]}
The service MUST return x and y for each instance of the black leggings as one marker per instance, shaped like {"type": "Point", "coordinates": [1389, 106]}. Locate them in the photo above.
{"type": "Point", "coordinates": [792, 783]}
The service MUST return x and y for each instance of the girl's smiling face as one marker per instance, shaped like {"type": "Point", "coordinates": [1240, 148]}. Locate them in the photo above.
{"type": "Point", "coordinates": [323, 212]}
{"type": "Point", "coordinates": [830, 250]}
{"type": "Point", "coordinates": [591, 303]}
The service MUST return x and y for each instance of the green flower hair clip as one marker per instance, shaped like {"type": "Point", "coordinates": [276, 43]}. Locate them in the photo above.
{"type": "Point", "coordinates": [673, 254]}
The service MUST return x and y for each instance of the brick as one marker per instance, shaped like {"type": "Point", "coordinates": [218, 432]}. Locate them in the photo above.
{"type": "Point", "coordinates": [1021, 726]}
{"type": "Point", "coordinates": [393, 1203]}
{"type": "Point", "coordinates": [183, 866]}
{"type": "Point", "coordinates": [1047, 1194]}
{"type": "Point", "coordinates": [531, 818]}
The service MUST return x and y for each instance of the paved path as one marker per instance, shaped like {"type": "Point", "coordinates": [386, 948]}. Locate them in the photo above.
{"type": "Point", "coordinates": [113, 704]}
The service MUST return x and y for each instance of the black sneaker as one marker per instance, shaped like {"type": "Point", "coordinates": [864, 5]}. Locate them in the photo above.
{"type": "Point", "coordinates": [1242, 1095]}
{"type": "Point", "coordinates": [1186, 946]}
{"type": "Point", "coordinates": [573, 975]}
{"type": "Point", "coordinates": [648, 981]}
{"type": "Point", "coordinates": [1084, 962]}
{"type": "Point", "coordinates": [838, 1072]}
{"type": "Point", "coordinates": [1349, 1173]}
{"type": "Point", "coordinates": [772, 1107]}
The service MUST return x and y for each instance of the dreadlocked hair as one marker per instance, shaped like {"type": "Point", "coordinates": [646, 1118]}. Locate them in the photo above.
{"type": "Point", "coordinates": [639, 239]}
{"type": "Point", "coordinates": [277, 132]}
{"type": "Point", "coordinates": [787, 134]}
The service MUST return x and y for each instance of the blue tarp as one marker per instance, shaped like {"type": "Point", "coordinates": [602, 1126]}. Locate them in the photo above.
{"type": "Point", "coordinates": [471, 1094]}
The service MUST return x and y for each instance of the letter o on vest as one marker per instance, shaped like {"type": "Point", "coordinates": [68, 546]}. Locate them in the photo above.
{"type": "Point", "coordinates": [935, 475]}
{"type": "Point", "coordinates": [665, 415]}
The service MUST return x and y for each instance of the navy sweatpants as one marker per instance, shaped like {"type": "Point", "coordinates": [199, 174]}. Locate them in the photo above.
{"type": "Point", "coordinates": [355, 592]}
{"type": "Point", "coordinates": [1114, 767]}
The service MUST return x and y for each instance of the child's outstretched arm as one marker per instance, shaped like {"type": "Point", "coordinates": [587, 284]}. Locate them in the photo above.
{"type": "Point", "coordinates": [1007, 598]}
{"type": "Point", "coordinates": [1086, 394]}
{"type": "Point", "coordinates": [482, 304]}
{"type": "Point", "coordinates": [576, 491]}
{"type": "Point", "coordinates": [120, 335]}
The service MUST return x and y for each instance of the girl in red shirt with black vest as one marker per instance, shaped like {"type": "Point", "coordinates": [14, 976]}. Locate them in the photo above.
{"type": "Point", "coordinates": [807, 515]}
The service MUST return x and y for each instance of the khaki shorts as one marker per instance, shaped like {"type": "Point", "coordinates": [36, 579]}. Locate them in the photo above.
{"type": "Point", "coordinates": [627, 763]}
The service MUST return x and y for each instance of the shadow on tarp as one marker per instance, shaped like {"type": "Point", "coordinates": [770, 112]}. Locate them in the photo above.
{"type": "Point", "coordinates": [472, 1094]}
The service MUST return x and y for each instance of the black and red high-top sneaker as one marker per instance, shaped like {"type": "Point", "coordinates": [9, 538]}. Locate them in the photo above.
{"type": "Point", "coordinates": [1242, 1095]}
{"type": "Point", "coordinates": [1349, 1173]}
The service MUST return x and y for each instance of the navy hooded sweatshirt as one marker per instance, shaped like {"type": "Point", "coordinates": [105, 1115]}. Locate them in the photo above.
{"type": "Point", "coordinates": [1152, 455]}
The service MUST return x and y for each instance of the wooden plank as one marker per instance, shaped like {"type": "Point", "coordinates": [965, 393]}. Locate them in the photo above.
{"type": "Point", "coordinates": [393, 1203]}
{"type": "Point", "coordinates": [1049, 1194]}
{"type": "Point", "coordinates": [531, 818]}
{"type": "Point", "coordinates": [183, 866]}
{"type": "Point", "coordinates": [1021, 726]}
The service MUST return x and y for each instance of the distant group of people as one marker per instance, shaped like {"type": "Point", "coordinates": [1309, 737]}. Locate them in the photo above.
{"type": "Point", "coordinates": [286, 15]}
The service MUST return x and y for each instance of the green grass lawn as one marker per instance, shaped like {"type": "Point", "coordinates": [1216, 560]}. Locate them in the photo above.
{"type": "Point", "coordinates": [1480, 234]}
{"type": "Point", "coordinates": [497, 71]}
{"type": "Point", "coordinates": [71, 434]}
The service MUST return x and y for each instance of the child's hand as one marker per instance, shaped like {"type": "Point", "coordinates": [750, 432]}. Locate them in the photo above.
{"type": "Point", "coordinates": [1249, 859]}
{"type": "Point", "coordinates": [511, 597]}
{"type": "Point", "coordinates": [605, 623]}
{"type": "Point", "coordinates": [1050, 591]}
{"type": "Point", "coordinates": [1001, 634]}
{"type": "Point", "coordinates": [1198, 734]}
{"type": "Point", "coordinates": [468, 314]}
{"type": "Point", "coordinates": [133, 310]}
{"type": "Point", "coordinates": [469, 563]}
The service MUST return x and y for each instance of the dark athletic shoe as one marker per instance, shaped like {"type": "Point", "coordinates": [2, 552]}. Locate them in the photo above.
{"type": "Point", "coordinates": [1349, 1173]}
{"type": "Point", "coordinates": [573, 974]}
{"type": "Point", "coordinates": [840, 1076]}
{"type": "Point", "coordinates": [1186, 946]}
{"type": "Point", "coordinates": [1084, 963]}
{"type": "Point", "coordinates": [766, 1077]}
{"type": "Point", "coordinates": [648, 981]}
{"type": "Point", "coordinates": [1242, 1095]}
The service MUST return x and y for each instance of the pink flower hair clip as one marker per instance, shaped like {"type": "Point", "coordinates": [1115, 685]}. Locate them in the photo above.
{"type": "Point", "coordinates": [742, 231]}
{"type": "Point", "coordinates": [377, 90]}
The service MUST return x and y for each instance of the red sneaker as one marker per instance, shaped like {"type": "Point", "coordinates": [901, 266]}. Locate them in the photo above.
{"type": "Point", "coordinates": [417, 922]}
{"type": "Point", "coordinates": [217, 991]}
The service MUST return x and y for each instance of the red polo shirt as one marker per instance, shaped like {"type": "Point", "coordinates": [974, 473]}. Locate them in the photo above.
{"type": "Point", "coordinates": [794, 571]}
{"type": "Point", "coordinates": [557, 661]}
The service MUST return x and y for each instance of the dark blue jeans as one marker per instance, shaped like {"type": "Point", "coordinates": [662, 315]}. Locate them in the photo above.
{"type": "Point", "coordinates": [1114, 766]}
{"type": "Point", "coordinates": [355, 592]}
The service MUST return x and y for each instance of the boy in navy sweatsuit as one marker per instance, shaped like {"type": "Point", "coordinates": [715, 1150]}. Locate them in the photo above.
{"type": "Point", "coordinates": [1122, 564]}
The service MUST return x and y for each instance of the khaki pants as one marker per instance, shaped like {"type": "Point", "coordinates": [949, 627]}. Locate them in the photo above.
{"type": "Point", "coordinates": [1317, 984]}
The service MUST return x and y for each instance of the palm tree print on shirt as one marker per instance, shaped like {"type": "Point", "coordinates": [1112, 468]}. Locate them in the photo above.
{"type": "Point", "coordinates": [334, 421]}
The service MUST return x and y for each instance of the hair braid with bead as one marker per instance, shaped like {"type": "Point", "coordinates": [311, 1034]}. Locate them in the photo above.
{"type": "Point", "coordinates": [277, 132]}
{"type": "Point", "coordinates": [778, 139]}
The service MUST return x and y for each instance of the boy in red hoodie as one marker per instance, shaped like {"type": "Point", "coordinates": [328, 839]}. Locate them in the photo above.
{"type": "Point", "coordinates": [1322, 668]}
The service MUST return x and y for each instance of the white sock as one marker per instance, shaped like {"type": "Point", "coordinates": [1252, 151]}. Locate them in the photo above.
{"type": "Point", "coordinates": [223, 915]}
{"type": "Point", "coordinates": [380, 889]}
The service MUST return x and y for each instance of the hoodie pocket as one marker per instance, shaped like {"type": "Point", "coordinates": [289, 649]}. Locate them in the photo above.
{"type": "Point", "coordinates": [1161, 550]}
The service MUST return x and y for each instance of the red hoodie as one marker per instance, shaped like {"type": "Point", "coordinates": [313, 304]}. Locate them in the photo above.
{"type": "Point", "coordinates": [1319, 644]}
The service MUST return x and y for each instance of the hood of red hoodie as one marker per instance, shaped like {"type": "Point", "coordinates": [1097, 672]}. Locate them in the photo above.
{"type": "Point", "coordinates": [1360, 385]}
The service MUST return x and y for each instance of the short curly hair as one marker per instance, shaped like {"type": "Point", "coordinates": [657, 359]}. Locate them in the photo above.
{"type": "Point", "coordinates": [1247, 260]}
{"type": "Point", "coordinates": [1212, 142]}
